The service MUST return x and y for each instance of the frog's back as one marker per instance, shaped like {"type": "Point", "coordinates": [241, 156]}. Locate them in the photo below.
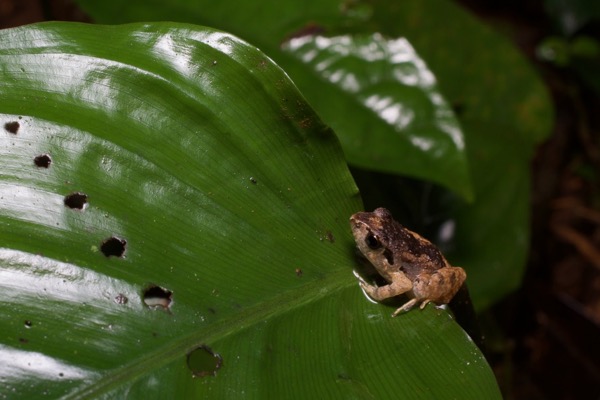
{"type": "Point", "coordinates": [417, 254]}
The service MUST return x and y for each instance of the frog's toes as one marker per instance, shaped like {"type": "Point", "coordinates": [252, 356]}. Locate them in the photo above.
{"type": "Point", "coordinates": [361, 281]}
{"type": "Point", "coordinates": [424, 303]}
{"type": "Point", "coordinates": [407, 306]}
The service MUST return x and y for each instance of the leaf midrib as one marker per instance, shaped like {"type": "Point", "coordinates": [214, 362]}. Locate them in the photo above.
{"type": "Point", "coordinates": [277, 305]}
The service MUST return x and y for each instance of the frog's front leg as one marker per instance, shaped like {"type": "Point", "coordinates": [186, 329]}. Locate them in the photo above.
{"type": "Point", "coordinates": [437, 287]}
{"type": "Point", "coordinates": [400, 284]}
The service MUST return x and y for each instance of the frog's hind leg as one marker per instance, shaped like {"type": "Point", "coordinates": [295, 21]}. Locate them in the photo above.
{"type": "Point", "coordinates": [440, 286]}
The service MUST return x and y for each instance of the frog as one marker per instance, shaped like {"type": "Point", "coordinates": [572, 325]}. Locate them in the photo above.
{"type": "Point", "coordinates": [409, 263]}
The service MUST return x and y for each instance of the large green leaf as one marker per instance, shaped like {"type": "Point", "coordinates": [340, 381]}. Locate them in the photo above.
{"type": "Point", "coordinates": [194, 151]}
{"type": "Point", "coordinates": [399, 122]}
{"type": "Point", "coordinates": [502, 105]}
{"type": "Point", "coordinates": [377, 94]}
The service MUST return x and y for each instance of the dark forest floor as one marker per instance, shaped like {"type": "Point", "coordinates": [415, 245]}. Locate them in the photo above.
{"type": "Point", "coordinates": [551, 325]}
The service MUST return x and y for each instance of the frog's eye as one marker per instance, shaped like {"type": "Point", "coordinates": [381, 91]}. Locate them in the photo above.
{"type": "Point", "coordinates": [372, 241]}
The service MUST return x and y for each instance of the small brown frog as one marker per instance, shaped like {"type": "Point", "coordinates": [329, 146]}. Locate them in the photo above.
{"type": "Point", "coordinates": [410, 263]}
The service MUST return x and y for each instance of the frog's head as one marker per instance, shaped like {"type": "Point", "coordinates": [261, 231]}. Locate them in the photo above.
{"type": "Point", "coordinates": [391, 247]}
{"type": "Point", "coordinates": [373, 233]}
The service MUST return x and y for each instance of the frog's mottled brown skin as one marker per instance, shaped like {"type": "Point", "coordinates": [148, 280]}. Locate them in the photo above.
{"type": "Point", "coordinates": [410, 263]}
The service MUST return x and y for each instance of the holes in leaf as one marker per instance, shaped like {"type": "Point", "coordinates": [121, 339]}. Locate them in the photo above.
{"type": "Point", "coordinates": [76, 200]}
{"type": "Point", "coordinates": [253, 180]}
{"type": "Point", "coordinates": [299, 272]}
{"type": "Point", "coordinates": [113, 246]}
{"type": "Point", "coordinates": [42, 161]}
{"type": "Point", "coordinates": [157, 297]}
{"type": "Point", "coordinates": [202, 361]}
{"type": "Point", "coordinates": [28, 324]}
{"type": "Point", "coordinates": [12, 127]}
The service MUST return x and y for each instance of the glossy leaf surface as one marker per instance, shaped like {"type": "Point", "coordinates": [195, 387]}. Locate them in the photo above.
{"type": "Point", "coordinates": [398, 115]}
{"type": "Point", "coordinates": [192, 152]}
{"type": "Point", "coordinates": [501, 104]}
{"type": "Point", "coordinates": [390, 123]}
